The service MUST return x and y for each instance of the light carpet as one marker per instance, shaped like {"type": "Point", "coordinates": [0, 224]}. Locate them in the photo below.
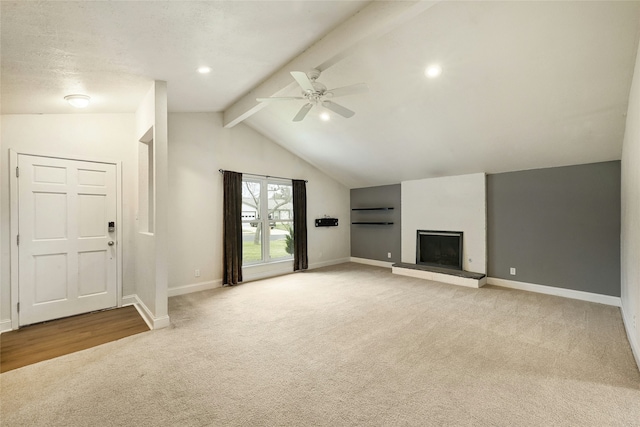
{"type": "Point", "coordinates": [346, 345]}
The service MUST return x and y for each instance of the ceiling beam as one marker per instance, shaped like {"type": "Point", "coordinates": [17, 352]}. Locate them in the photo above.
{"type": "Point", "coordinates": [370, 23]}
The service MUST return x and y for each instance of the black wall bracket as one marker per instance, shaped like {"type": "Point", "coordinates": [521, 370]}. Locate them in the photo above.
{"type": "Point", "coordinates": [327, 222]}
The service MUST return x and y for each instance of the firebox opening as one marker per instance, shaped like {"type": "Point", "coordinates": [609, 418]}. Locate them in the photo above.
{"type": "Point", "coordinates": [439, 248]}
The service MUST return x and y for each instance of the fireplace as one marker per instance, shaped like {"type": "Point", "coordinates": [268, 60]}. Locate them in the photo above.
{"type": "Point", "coordinates": [439, 248]}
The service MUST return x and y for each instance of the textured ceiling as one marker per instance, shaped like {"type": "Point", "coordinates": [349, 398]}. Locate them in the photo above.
{"type": "Point", "coordinates": [113, 50]}
{"type": "Point", "coordinates": [525, 85]}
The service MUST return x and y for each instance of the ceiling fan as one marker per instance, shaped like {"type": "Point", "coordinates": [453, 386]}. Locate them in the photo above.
{"type": "Point", "coordinates": [316, 93]}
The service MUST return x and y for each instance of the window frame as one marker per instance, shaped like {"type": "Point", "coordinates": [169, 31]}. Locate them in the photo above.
{"type": "Point", "coordinates": [263, 220]}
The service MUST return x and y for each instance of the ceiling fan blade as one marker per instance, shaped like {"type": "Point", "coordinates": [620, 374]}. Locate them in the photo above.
{"type": "Point", "coordinates": [348, 90]}
{"type": "Point", "coordinates": [303, 112]}
{"type": "Point", "coordinates": [284, 98]}
{"type": "Point", "coordinates": [303, 80]}
{"type": "Point", "coordinates": [337, 108]}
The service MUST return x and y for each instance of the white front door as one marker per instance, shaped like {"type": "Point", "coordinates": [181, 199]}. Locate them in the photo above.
{"type": "Point", "coordinates": [67, 255]}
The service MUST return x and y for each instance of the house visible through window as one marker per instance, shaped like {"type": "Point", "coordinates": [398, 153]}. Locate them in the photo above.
{"type": "Point", "coordinates": [267, 220]}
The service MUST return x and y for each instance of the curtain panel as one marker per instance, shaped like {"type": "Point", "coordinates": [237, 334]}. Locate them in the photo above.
{"type": "Point", "coordinates": [232, 228]}
{"type": "Point", "coordinates": [300, 258]}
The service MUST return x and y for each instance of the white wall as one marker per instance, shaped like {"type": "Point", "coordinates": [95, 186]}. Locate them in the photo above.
{"type": "Point", "coordinates": [102, 136]}
{"type": "Point", "coordinates": [151, 248]}
{"type": "Point", "coordinates": [630, 226]}
{"type": "Point", "coordinates": [198, 146]}
{"type": "Point", "coordinates": [455, 203]}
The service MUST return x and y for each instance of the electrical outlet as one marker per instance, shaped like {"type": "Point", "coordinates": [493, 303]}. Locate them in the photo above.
{"type": "Point", "coordinates": [197, 272]}
{"type": "Point", "coordinates": [512, 271]}
{"type": "Point", "coordinates": [388, 254]}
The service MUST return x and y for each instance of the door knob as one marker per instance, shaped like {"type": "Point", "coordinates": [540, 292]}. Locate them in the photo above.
{"type": "Point", "coordinates": [110, 243]}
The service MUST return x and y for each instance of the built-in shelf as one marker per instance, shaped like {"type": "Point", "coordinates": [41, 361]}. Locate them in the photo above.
{"type": "Point", "coordinates": [372, 223]}
{"type": "Point", "coordinates": [372, 209]}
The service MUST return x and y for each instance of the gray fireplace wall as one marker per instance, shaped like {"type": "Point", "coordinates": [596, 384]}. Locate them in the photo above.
{"type": "Point", "coordinates": [374, 242]}
{"type": "Point", "coordinates": [557, 227]}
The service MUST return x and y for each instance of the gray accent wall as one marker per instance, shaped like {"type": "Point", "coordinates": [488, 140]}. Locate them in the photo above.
{"type": "Point", "coordinates": [558, 227]}
{"type": "Point", "coordinates": [376, 241]}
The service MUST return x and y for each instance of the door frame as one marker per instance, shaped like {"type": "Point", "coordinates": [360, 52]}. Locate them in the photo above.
{"type": "Point", "coordinates": [14, 222]}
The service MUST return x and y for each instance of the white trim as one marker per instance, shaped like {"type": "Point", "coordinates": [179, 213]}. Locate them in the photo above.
{"type": "Point", "coordinates": [266, 270]}
{"type": "Point", "coordinates": [119, 234]}
{"type": "Point", "coordinates": [14, 225]}
{"type": "Point", "coordinates": [130, 300]}
{"type": "Point", "coordinates": [82, 158]}
{"type": "Point", "coordinates": [561, 292]}
{"type": "Point", "coordinates": [5, 325]}
{"type": "Point", "coordinates": [372, 262]}
{"type": "Point", "coordinates": [328, 263]}
{"type": "Point", "coordinates": [628, 326]}
{"type": "Point", "coordinates": [194, 287]}
{"type": "Point", "coordinates": [440, 277]}
{"type": "Point", "coordinates": [251, 273]}
{"type": "Point", "coordinates": [151, 321]}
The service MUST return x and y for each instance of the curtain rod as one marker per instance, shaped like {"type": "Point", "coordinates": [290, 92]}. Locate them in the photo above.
{"type": "Point", "coordinates": [254, 174]}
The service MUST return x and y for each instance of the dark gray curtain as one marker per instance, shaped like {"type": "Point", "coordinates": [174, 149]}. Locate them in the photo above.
{"type": "Point", "coordinates": [232, 235]}
{"type": "Point", "coordinates": [300, 259]}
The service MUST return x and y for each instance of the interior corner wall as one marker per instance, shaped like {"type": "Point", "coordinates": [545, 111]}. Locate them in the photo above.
{"type": "Point", "coordinates": [152, 248]}
{"type": "Point", "coordinates": [103, 136]}
{"type": "Point", "coordinates": [630, 216]}
{"type": "Point", "coordinates": [199, 146]}
{"type": "Point", "coordinates": [557, 227]}
{"type": "Point", "coordinates": [161, 200]}
{"type": "Point", "coordinates": [375, 242]}
{"type": "Point", "coordinates": [455, 203]}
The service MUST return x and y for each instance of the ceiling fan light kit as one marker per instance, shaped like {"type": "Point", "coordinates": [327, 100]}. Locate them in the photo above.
{"type": "Point", "coordinates": [315, 93]}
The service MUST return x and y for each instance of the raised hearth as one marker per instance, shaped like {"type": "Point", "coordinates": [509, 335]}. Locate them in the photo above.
{"type": "Point", "coordinates": [439, 274]}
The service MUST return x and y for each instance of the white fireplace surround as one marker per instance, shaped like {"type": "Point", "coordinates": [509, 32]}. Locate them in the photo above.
{"type": "Point", "coordinates": [448, 203]}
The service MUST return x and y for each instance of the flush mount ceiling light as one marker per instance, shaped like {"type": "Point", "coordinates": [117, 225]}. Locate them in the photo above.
{"type": "Point", "coordinates": [78, 101]}
{"type": "Point", "coordinates": [204, 70]}
{"type": "Point", "coordinates": [325, 117]}
{"type": "Point", "coordinates": [433, 71]}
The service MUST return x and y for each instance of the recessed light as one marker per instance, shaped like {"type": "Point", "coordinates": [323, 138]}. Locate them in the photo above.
{"type": "Point", "coordinates": [325, 117]}
{"type": "Point", "coordinates": [204, 70]}
{"type": "Point", "coordinates": [78, 101]}
{"type": "Point", "coordinates": [433, 71]}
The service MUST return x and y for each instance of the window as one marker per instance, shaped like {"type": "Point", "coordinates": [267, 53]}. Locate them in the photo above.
{"type": "Point", "coordinates": [267, 220]}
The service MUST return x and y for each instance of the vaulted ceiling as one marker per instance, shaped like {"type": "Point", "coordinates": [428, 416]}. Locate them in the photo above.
{"type": "Point", "coordinates": [524, 85]}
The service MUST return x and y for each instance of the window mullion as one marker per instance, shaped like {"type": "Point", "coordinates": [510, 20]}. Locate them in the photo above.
{"type": "Point", "coordinates": [264, 213]}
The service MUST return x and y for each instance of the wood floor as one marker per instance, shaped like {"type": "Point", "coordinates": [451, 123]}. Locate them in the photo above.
{"type": "Point", "coordinates": [35, 343]}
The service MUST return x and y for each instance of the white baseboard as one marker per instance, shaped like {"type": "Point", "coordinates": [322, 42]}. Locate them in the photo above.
{"type": "Point", "coordinates": [5, 325]}
{"type": "Point", "coordinates": [152, 321]}
{"type": "Point", "coordinates": [631, 336]}
{"type": "Point", "coordinates": [194, 287]}
{"type": "Point", "coordinates": [561, 292]}
{"type": "Point", "coordinates": [265, 271]}
{"type": "Point", "coordinates": [328, 263]}
{"type": "Point", "coordinates": [372, 262]}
